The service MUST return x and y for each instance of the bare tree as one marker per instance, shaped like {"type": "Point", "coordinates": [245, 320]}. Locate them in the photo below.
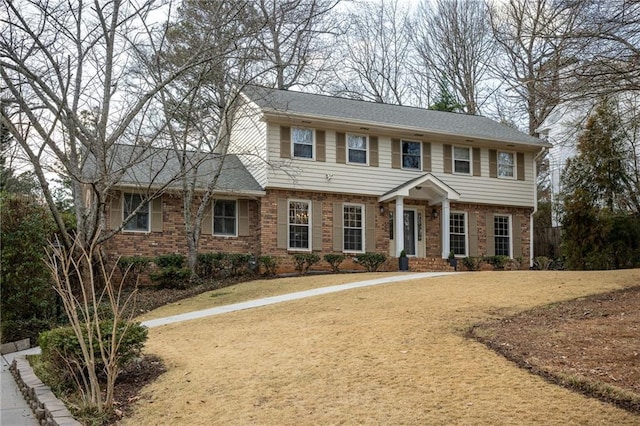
{"type": "Point", "coordinates": [454, 42]}
{"type": "Point", "coordinates": [295, 41]}
{"type": "Point", "coordinates": [376, 49]}
{"type": "Point", "coordinates": [534, 36]}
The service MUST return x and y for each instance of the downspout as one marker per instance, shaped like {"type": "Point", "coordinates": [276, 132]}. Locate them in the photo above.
{"type": "Point", "coordinates": [535, 202]}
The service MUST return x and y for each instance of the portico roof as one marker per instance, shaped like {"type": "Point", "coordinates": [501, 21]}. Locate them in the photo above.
{"type": "Point", "coordinates": [424, 187]}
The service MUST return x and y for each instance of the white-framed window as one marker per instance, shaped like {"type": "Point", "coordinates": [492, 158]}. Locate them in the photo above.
{"type": "Point", "coordinates": [502, 232]}
{"type": "Point", "coordinates": [353, 232]}
{"type": "Point", "coordinates": [140, 221]}
{"type": "Point", "coordinates": [225, 217]}
{"type": "Point", "coordinates": [462, 160]}
{"type": "Point", "coordinates": [506, 164]}
{"type": "Point", "coordinates": [299, 225]}
{"type": "Point", "coordinates": [458, 233]}
{"type": "Point", "coordinates": [302, 139]}
{"type": "Point", "coordinates": [411, 155]}
{"type": "Point", "coordinates": [357, 149]}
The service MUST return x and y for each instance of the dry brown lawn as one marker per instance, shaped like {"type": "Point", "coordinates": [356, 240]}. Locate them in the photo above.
{"type": "Point", "coordinates": [390, 354]}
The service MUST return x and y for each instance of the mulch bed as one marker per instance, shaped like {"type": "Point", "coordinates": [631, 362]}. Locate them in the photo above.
{"type": "Point", "coordinates": [590, 345]}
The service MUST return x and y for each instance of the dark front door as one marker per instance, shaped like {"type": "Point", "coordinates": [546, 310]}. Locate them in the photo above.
{"type": "Point", "coordinates": [410, 232]}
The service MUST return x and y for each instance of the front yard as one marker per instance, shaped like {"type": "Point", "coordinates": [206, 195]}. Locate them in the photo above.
{"type": "Point", "coordinates": [390, 354]}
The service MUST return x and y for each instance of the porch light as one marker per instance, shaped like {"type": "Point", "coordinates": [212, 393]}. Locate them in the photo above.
{"type": "Point", "coordinates": [434, 214]}
{"type": "Point", "coordinates": [381, 209]}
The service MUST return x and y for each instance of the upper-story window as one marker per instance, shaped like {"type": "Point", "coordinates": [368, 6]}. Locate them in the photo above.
{"type": "Point", "coordinates": [411, 155]}
{"type": "Point", "coordinates": [502, 235]}
{"type": "Point", "coordinates": [140, 221]}
{"type": "Point", "coordinates": [357, 149]}
{"type": "Point", "coordinates": [506, 164]}
{"type": "Point", "coordinates": [461, 160]}
{"type": "Point", "coordinates": [224, 217]}
{"type": "Point", "coordinates": [299, 225]}
{"type": "Point", "coordinates": [302, 139]}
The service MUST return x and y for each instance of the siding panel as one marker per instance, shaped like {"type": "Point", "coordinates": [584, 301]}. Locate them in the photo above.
{"type": "Point", "coordinates": [373, 151]}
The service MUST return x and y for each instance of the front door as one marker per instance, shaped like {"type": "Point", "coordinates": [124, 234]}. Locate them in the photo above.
{"type": "Point", "coordinates": [410, 232]}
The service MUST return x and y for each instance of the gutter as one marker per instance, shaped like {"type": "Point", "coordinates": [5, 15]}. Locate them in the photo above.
{"type": "Point", "coordinates": [535, 202]}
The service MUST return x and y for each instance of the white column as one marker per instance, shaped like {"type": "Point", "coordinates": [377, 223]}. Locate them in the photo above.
{"type": "Point", "coordinates": [446, 243]}
{"type": "Point", "coordinates": [399, 235]}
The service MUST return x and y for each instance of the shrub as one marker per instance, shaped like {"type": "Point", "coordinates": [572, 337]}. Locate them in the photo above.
{"type": "Point", "coordinates": [334, 260]}
{"type": "Point", "coordinates": [269, 263]}
{"type": "Point", "coordinates": [210, 264]}
{"type": "Point", "coordinates": [133, 267]}
{"type": "Point", "coordinates": [239, 263]}
{"type": "Point", "coordinates": [472, 263]}
{"type": "Point", "coordinates": [371, 261]}
{"type": "Point", "coordinates": [173, 260]}
{"type": "Point", "coordinates": [304, 261]}
{"type": "Point", "coordinates": [498, 262]}
{"type": "Point", "coordinates": [542, 263]}
{"type": "Point", "coordinates": [61, 348]}
{"type": "Point", "coordinates": [172, 272]}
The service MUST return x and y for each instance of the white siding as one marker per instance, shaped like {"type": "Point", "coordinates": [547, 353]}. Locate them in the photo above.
{"type": "Point", "coordinates": [248, 141]}
{"type": "Point", "coordinates": [357, 179]}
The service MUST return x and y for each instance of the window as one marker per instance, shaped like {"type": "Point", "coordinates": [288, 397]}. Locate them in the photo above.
{"type": "Point", "coordinates": [505, 165]}
{"type": "Point", "coordinates": [501, 230]}
{"type": "Point", "coordinates": [299, 225]}
{"type": "Point", "coordinates": [224, 217]}
{"type": "Point", "coordinates": [357, 149]}
{"type": "Point", "coordinates": [140, 221]}
{"type": "Point", "coordinates": [411, 154]}
{"type": "Point", "coordinates": [457, 234]}
{"type": "Point", "coordinates": [461, 160]}
{"type": "Point", "coordinates": [352, 228]}
{"type": "Point", "coordinates": [302, 139]}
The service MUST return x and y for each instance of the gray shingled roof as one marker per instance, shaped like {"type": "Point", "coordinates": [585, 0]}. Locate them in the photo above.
{"type": "Point", "coordinates": [411, 118]}
{"type": "Point", "coordinates": [158, 167]}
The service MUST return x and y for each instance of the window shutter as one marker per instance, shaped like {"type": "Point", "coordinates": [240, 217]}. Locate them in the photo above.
{"type": "Point", "coordinates": [320, 146]}
{"type": "Point", "coordinates": [447, 159]}
{"type": "Point", "coordinates": [283, 212]}
{"type": "Point", "coordinates": [395, 153]}
{"type": "Point", "coordinates": [520, 165]}
{"type": "Point", "coordinates": [473, 234]}
{"type": "Point", "coordinates": [285, 142]}
{"type": "Point", "coordinates": [338, 220]}
{"type": "Point", "coordinates": [493, 163]}
{"type": "Point", "coordinates": [370, 229]}
{"type": "Point", "coordinates": [426, 156]}
{"type": "Point", "coordinates": [206, 228]}
{"type": "Point", "coordinates": [477, 164]}
{"type": "Point", "coordinates": [516, 232]}
{"type": "Point", "coordinates": [316, 226]}
{"type": "Point", "coordinates": [491, 238]}
{"type": "Point", "coordinates": [341, 155]}
{"type": "Point", "coordinates": [156, 214]}
{"type": "Point", "coordinates": [243, 218]}
{"type": "Point", "coordinates": [373, 151]}
{"type": "Point", "coordinates": [115, 210]}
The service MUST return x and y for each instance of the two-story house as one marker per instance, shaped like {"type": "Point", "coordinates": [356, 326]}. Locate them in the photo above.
{"type": "Point", "coordinates": [336, 175]}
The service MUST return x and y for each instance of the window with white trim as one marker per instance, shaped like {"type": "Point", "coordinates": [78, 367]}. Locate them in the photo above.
{"type": "Point", "coordinates": [302, 140]}
{"type": "Point", "coordinates": [140, 221]}
{"type": "Point", "coordinates": [502, 235]}
{"type": "Point", "coordinates": [462, 160]}
{"type": "Point", "coordinates": [224, 217]}
{"type": "Point", "coordinates": [411, 155]}
{"type": "Point", "coordinates": [458, 233]}
{"type": "Point", "coordinates": [357, 149]}
{"type": "Point", "coordinates": [299, 225]}
{"type": "Point", "coordinates": [353, 227]}
{"type": "Point", "coordinates": [506, 164]}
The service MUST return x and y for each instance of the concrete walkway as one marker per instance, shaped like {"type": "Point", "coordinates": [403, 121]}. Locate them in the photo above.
{"type": "Point", "coordinates": [14, 411]}
{"type": "Point", "coordinates": [287, 297]}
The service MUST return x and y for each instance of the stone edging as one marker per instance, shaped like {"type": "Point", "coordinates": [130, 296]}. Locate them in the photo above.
{"type": "Point", "coordinates": [48, 409]}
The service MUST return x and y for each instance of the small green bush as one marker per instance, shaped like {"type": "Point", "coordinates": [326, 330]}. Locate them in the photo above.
{"type": "Point", "coordinates": [173, 260]}
{"type": "Point", "coordinates": [210, 264]}
{"type": "Point", "coordinates": [371, 261]}
{"type": "Point", "coordinates": [269, 263]}
{"type": "Point", "coordinates": [304, 261]}
{"type": "Point", "coordinates": [61, 348]}
{"type": "Point", "coordinates": [542, 263]}
{"type": "Point", "coordinates": [239, 263]}
{"type": "Point", "coordinates": [133, 267]}
{"type": "Point", "coordinates": [472, 263]}
{"type": "Point", "coordinates": [498, 262]}
{"type": "Point", "coordinates": [334, 260]}
{"type": "Point", "coordinates": [173, 273]}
